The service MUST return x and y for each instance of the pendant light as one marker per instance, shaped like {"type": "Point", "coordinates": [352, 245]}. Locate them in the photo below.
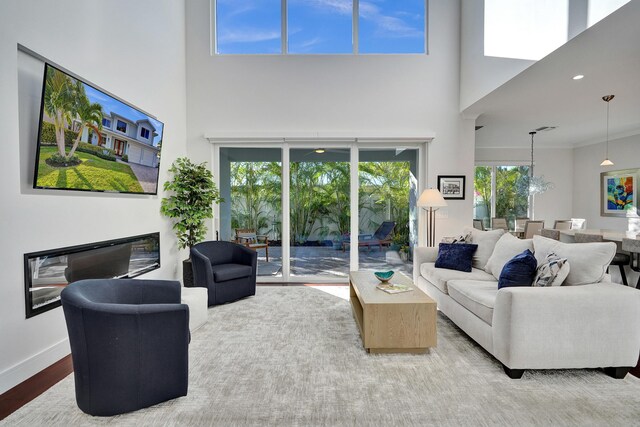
{"type": "Point", "coordinates": [606, 161]}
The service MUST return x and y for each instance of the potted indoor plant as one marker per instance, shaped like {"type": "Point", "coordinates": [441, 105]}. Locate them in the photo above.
{"type": "Point", "coordinates": [192, 194]}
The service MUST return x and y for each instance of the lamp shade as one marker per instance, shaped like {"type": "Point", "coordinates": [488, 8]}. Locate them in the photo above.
{"type": "Point", "coordinates": [431, 198]}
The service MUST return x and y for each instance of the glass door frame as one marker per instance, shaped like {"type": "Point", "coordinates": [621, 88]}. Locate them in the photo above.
{"type": "Point", "coordinates": [493, 164]}
{"type": "Point", "coordinates": [351, 144]}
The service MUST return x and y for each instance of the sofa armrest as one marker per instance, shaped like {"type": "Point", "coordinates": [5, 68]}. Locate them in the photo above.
{"type": "Point", "coordinates": [587, 326]}
{"type": "Point", "coordinates": [422, 254]}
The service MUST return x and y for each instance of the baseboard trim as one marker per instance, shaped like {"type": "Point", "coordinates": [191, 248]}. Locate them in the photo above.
{"type": "Point", "coordinates": [17, 373]}
{"type": "Point", "coordinates": [33, 387]}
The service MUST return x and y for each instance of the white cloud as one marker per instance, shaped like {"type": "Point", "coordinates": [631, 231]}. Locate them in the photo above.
{"type": "Point", "coordinates": [343, 7]}
{"type": "Point", "coordinates": [248, 36]}
{"type": "Point", "coordinates": [389, 25]}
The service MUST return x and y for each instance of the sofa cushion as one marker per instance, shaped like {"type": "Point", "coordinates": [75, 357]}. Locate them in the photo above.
{"type": "Point", "coordinates": [506, 248]}
{"type": "Point", "coordinates": [552, 272]}
{"type": "Point", "coordinates": [224, 272]}
{"type": "Point", "coordinates": [476, 296]}
{"type": "Point", "coordinates": [440, 276]}
{"type": "Point", "coordinates": [589, 261]}
{"type": "Point", "coordinates": [455, 256]}
{"type": "Point", "coordinates": [486, 241]}
{"type": "Point", "coordinates": [518, 271]}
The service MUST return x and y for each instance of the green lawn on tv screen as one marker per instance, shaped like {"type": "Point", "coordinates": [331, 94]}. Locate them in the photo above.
{"type": "Point", "coordinates": [93, 173]}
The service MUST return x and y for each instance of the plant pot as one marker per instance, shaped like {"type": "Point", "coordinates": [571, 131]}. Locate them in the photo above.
{"type": "Point", "coordinates": [187, 274]}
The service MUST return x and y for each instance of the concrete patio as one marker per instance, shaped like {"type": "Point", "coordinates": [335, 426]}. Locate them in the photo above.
{"type": "Point", "coordinates": [328, 263]}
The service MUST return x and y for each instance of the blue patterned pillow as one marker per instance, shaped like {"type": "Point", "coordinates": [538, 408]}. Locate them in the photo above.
{"type": "Point", "coordinates": [456, 256]}
{"type": "Point", "coordinates": [519, 270]}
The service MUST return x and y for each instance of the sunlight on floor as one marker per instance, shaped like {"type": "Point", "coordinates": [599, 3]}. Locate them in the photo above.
{"type": "Point", "coordinates": [339, 291]}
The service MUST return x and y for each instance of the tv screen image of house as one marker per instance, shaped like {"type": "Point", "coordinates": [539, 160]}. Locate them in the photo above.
{"type": "Point", "coordinates": [90, 141]}
{"type": "Point", "coordinates": [48, 272]}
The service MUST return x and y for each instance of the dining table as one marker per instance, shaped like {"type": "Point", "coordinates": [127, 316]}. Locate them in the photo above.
{"type": "Point", "coordinates": [567, 236]}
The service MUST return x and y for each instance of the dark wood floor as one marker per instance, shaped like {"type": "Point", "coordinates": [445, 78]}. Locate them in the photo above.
{"type": "Point", "coordinates": [33, 387]}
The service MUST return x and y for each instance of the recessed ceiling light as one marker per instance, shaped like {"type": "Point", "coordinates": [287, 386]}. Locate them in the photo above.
{"type": "Point", "coordinates": [578, 77]}
{"type": "Point", "coordinates": [319, 150]}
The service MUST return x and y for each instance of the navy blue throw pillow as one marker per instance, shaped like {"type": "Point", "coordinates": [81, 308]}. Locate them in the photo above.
{"type": "Point", "coordinates": [456, 256]}
{"type": "Point", "coordinates": [519, 270]}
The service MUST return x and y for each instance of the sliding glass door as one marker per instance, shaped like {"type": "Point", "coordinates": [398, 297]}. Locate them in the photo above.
{"type": "Point", "coordinates": [251, 186]}
{"type": "Point", "coordinates": [314, 214]}
{"type": "Point", "coordinates": [501, 191]}
{"type": "Point", "coordinates": [319, 211]}
{"type": "Point", "coordinates": [388, 190]}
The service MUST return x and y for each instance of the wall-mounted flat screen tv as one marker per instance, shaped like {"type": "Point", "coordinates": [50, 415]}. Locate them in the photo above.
{"type": "Point", "coordinates": [90, 141]}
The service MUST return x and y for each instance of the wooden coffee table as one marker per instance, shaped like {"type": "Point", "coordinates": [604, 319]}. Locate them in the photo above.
{"type": "Point", "coordinates": [392, 323]}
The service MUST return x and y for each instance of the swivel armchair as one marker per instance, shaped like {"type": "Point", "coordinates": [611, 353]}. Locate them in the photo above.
{"type": "Point", "coordinates": [129, 343]}
{"type": "Point", "coordinates": [228, 270]}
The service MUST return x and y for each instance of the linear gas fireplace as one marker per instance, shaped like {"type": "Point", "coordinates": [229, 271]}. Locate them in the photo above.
{"type": "Point", "coordinates": [46, 273]}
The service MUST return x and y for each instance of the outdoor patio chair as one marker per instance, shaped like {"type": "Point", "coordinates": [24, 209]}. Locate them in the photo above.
{"type": "Point", "coordinates": [381, 237]}
{"type": "Point", "coordinates": [248, 237]}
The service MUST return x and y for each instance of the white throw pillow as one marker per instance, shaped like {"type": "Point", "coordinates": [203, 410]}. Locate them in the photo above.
{"type": "Point", "coordinates": [589, 261]}
{"type": "Point", "coordinates": [506, 248]}
{"type": "Point", "coordinates": [552, 272]}
{"type": "Point", "coordinates": [486, 241]}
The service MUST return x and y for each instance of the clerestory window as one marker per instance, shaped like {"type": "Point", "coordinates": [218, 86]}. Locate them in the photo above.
{"type": "Point", "coordinates": [320, 27]}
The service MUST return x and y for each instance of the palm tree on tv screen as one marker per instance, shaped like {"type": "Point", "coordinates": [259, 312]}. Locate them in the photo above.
{"type": "Point", "coordinates": [65, 100]}
{"type": "Point", "coordinates": [58, 104]}
{"type": "Point", "coordinates": [87, 113]}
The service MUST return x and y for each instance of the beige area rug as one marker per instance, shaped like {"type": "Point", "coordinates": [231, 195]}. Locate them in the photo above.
{"type": "Point", "coordinates": [293, 356]}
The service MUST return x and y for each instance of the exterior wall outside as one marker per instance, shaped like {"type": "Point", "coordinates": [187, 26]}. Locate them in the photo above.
{"type": "Point", "coordinates": [29, 345]}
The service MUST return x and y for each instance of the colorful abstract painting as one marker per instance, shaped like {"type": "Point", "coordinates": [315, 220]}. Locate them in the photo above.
{"type": "Point", "coordinates": [619, 194]}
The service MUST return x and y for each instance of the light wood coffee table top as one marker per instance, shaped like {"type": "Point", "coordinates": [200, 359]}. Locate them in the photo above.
{"type": "Point", "coordinates": [402, 322]}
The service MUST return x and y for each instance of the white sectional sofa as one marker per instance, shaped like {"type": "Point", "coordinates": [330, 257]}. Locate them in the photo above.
{"type": "Point", "coordinates": [588, 322]}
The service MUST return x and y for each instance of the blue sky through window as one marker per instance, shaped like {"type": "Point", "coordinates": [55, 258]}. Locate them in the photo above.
{"type": "Point", "coordinates": [392, 26]}
{"type": "Point", "coordinates": [248, 26]}
{"type": "Point", "coordinates": [320, 26]}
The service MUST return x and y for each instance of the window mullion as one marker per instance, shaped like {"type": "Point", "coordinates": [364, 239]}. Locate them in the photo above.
{"type": "Point", "coordinates": [356, 26]}
{"type": "Point", "coordinates": [283, 28]}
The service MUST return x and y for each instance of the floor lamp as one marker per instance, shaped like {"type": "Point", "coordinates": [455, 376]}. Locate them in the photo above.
{"type": "Point", "coordinates": [431, 200]}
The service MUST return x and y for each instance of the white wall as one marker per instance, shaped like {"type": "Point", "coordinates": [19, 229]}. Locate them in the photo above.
{"type": "Point", "coordinates": [99, 42]}
{"type": "Point", "coordinates": [625, 154]}
{"type": "Point", "coordinates": [377, 94]}
{"type": "Point", "coordinates": [556, 165]}
{"type": "Point", "coordinates": [479, 74]}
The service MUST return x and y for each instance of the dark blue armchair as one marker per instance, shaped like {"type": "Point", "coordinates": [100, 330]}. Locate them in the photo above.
{"type": "Point", "coordinates": [129, 343]}
{"type": "Point", "coordinates": [226, 269]}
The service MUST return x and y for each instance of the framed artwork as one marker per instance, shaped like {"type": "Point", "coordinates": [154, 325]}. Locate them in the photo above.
{"type": "Point", "coordinates": [618, 192]}
{"type": "Point", "coordinates": [451, 186]}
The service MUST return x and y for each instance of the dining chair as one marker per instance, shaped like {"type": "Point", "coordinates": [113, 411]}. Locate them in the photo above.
{"type": "Point", "coordinates": [562, 224]}
{"type": "Point", "coordinates": [619, 259]}
{"type": "Point", "coordinates": [633, 247]}
{"type": "Point", "coordinates": [518, 229]}
{"type": "Point", "coordinates": [533, 227]}
{"type": "Point", "coordinates": [478, 224]}
{"type": "Point", "coordinates": [550, 233]}
{"type": "Point", "coordinates": [578, 223]}
{"type": "Point", "coordinates": [499, 223]}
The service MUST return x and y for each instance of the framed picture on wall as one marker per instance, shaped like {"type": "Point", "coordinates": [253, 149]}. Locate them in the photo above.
{"type": "Point", "coordinates": [618, 192]}
{"type": "Point", "coordinates": [451, 186]}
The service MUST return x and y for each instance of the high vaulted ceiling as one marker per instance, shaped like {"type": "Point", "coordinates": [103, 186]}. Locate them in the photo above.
{"type": "Point", "coordinates": [607, 54]}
